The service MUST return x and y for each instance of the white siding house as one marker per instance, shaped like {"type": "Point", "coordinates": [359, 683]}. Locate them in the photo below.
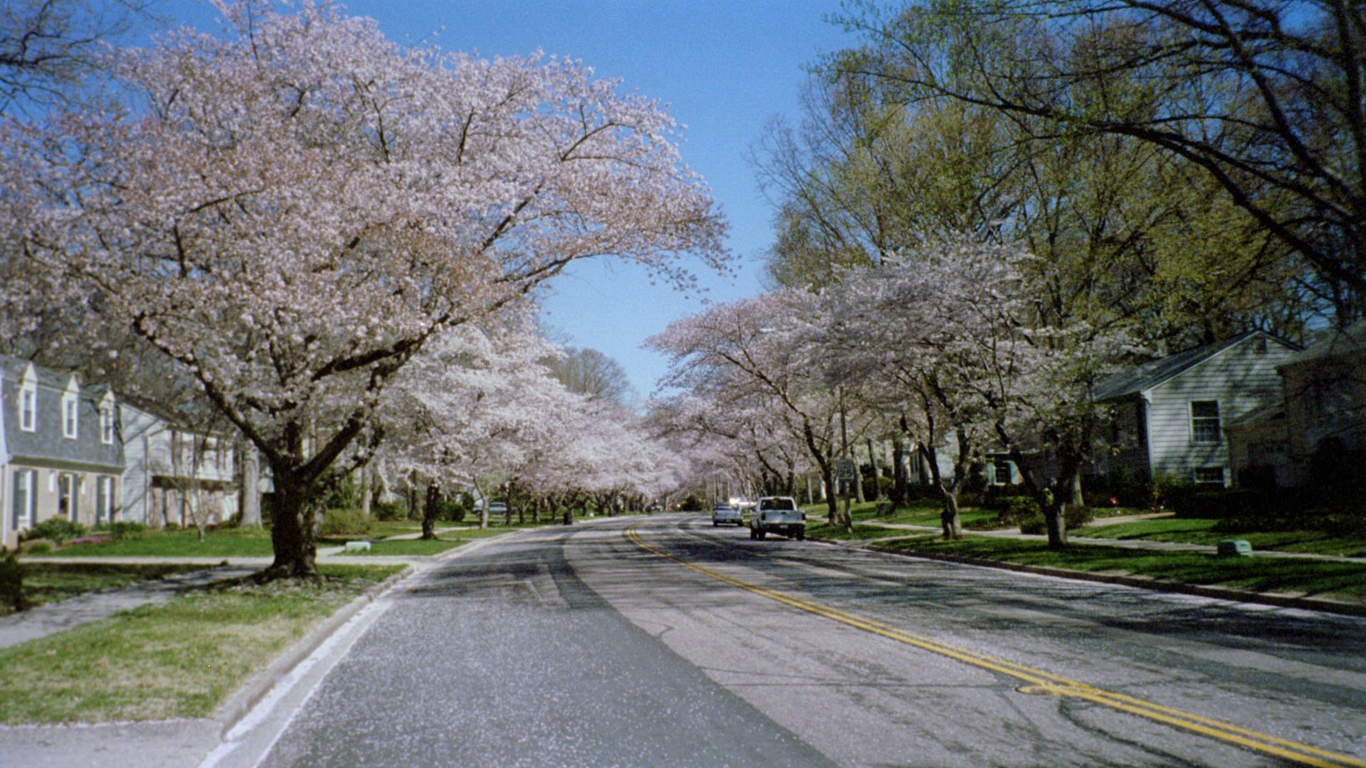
{"type": "Point", "coordinates": [1172, 414]}
{"type": "Point", "coordinates": [175, 475]}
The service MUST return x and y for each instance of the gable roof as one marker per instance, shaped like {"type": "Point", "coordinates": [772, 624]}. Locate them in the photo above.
{"type": "Point", "coordinates": [1148, 375]}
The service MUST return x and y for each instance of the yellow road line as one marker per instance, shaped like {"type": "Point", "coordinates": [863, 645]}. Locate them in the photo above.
{"type": "Point", "coordinates": [1035, 681]}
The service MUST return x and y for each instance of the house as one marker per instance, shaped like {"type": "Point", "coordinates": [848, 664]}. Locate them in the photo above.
{"type": "Point", "coordinates": [175, 474]}
{"type": "Point", "coordinates": [60, 453]}
{"type": "Point", "coordinates": [1172, 415]}
{"type": "Point", "coordinates": [1325, 396]}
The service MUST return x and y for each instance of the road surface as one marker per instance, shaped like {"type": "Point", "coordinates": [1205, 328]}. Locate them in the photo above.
{"type": "Point", "coordinates": [663, 641]}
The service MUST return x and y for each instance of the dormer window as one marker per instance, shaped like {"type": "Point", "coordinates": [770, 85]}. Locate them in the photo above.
{"type": "Point", "coordinates": [107, 420]}
{"type": "Point", "coordinates": [70, 409]}
{"type": "Point", "coordinates": [28, 406]}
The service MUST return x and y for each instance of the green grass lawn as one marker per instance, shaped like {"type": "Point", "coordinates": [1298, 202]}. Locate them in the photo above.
{"type": "Point", "coordinates": [413, 547]}
{"type": "Point", "coordinates": [1202, 531]}
{"type": "Point", "coordinates": [1312, 577]}
{"type": "Point", "coordinates": [176, 660]}
{"type": "Point", "coordinates": [223, 542]}
{"type": "Point", "coordinates": [46, 583]}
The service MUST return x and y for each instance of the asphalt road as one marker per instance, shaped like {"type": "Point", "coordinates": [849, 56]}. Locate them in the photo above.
{"type": "Point", "coordinates": [663, 642]}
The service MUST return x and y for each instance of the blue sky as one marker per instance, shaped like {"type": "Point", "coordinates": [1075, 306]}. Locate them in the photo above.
{"type": "Point", "coordinates": [724, 67]}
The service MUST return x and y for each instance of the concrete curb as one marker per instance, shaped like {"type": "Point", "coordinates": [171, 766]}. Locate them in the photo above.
{"type": "Point", "coordinates": [1279, 600]}
{"type": "Point", "coordinates": [245, 698]}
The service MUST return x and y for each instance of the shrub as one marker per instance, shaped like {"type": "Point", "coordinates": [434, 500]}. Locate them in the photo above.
{"type": "Point", "coordinates": [1073, 517]}
{"type": "Point", "coordinates": [11, 581]}
{"type": "Point", "coordinates": [1077, 515]}
{"type": "Point", "coordinates": [1013, 509]}
{"type": "Point", "coordinates": [56, 529]}
{"type": "Point", "coordinates": [38, 547]}
{"type": "Point", "coordinates": [123, 529]}
{"type": "Point", "coordinates": [453, 510]}
{"type": "Point", "coordinates": [1174, 494]}
{"type": "Point", "coordinates": [389, 510]}
{"type": "Point", "coordinates": [345, 522]}
{"type": "Point", "coordinates": [344, 493]}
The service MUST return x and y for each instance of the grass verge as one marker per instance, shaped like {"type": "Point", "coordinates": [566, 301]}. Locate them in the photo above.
{"type": "Point", "coordinates": [223, 542]}
{"type": "Point", "coordinates": [176, 660]}
{"type": "Point", "coordinates": [411, 547]}
{"type": "Point", "coordinates": [1204, 531]}
{"type": "Point", "coordinates": [1320, 578]}
{"type": "Point", "coordinates": [46, 583]}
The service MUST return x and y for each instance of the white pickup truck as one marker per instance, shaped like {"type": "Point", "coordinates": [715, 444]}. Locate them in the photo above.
{"type": "Point", "coordinates": [777, 514]}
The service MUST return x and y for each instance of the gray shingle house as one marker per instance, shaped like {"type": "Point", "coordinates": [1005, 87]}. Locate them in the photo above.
{"type": "Point", "coordinates": [1172, 414]}
{"type": "Point", "coordinates": [60, 450]}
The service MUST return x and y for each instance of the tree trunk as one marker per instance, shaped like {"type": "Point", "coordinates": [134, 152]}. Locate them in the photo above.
{"type": "Point", "coordinates": [1057, 526]}
{"type": "Point", "coordinates": [291, 532]}
{"type": "Point", "coordinates": [899, 486]}
{"type": "Point", "coordinates": [250, 505]}
{"type": "Point", "coordinates": [832, 502]}
{"type": "Point", "coordinates": [568, 518]}
{"type": "Point", "coordinates": [949, 519]}
{"type": "Point", "coordinates": [430, 507]}
{"type": "Point", "coordinates": [365, 492]}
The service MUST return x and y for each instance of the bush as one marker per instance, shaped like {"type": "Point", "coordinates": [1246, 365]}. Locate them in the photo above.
{"type": "Point", "coordinates": [38, 547]}
{"type": "Point", "coordinates": [344, 493]}
{"type": "Point", "coordinates": [55, 529]}
{"type": "Point", "coordinates": [1013, 509]}
{"type": "Point", "coordinates": [453, 510]}
{"type": "Point", "coordinates": [1076, 515]}
{"type": "Point", "coordinates": [1073, 517]}
{"type": "Point", "coordinates": [11, 581]}
{"type": "Point", "coordinates": [389, 510]}
{"type": "Point", "coordinates": [344, 522]}
{"type": "Point", "coordinates": [123, 529]}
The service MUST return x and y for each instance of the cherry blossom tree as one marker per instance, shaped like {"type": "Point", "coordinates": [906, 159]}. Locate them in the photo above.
{"type": "Point", "coordinates": [756, 354]}
{"type": "Point", "coordinates": [954, 335]}
{"type": "Point", "coordinates": [923, 329]}
{"type": "Point", "coordinates": [293, 209]}
{"type": "Point", "coordinates": [467, 408]}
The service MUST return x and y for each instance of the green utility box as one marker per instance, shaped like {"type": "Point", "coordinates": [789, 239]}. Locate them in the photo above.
{"type": "Point", "coordinates": [1234, 548]}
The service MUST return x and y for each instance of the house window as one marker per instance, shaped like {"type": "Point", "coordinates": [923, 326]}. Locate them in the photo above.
{"type": "Point", "coordinates": [69, 414]}
{"type": "Point", "coordinates": [1000, 470]}
{"type": "Point", "coordinates": [104, 499]}
{"type": "Point", "coordinates": [1205, 422]}
{"type": "Point", "coordinates": [25, 498]}
{"type": "Point", "coordinates": [28, 406]}
{"type": "Point", "coordinates": [1209, 475]}
{"type": "Point", "coordinates": [66, 496]}
{"type": "Point", "coordinates": [107, 423]}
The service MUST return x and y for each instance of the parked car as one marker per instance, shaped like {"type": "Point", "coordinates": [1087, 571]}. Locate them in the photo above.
{"type": "Point", "coordinates": [777, 514]}
{"type": "Point", "coordinates": [727, 515]}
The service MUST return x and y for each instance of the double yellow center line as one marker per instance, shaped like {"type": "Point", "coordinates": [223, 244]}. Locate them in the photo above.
{"type": "Point", "coordinates": [1033, 680]}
